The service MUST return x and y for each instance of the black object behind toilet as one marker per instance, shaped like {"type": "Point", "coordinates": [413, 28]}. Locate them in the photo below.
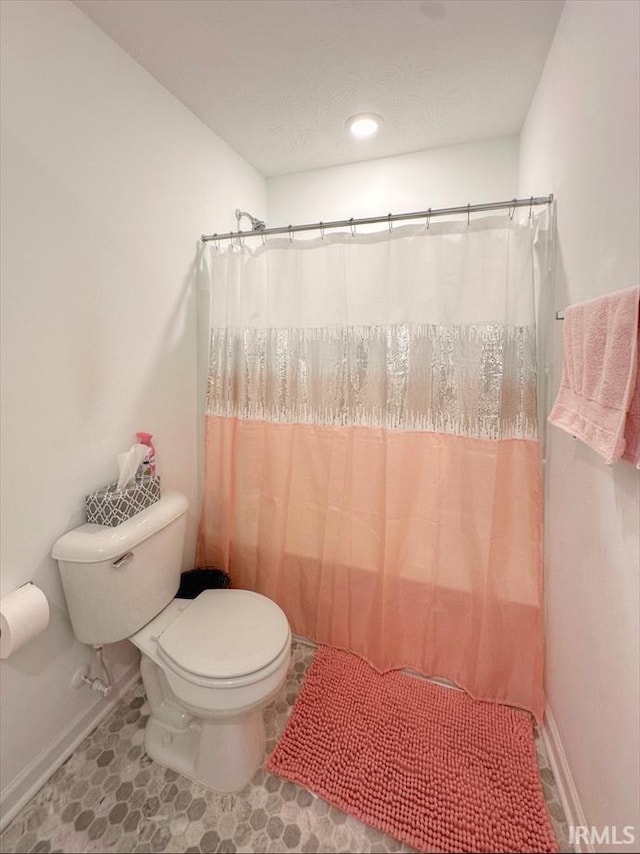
{"type": "Point", "coordinates": [195, 581]}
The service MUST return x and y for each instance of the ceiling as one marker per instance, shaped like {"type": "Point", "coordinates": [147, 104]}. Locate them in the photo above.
{"type": "Point", "coordinates": [277, 79]}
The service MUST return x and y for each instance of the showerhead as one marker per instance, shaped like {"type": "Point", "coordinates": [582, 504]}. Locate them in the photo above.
{"type": "Point", "coordinates": [256, 224]}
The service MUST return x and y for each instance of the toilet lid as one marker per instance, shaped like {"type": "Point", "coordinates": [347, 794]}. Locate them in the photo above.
{"type": "Point", "coordinates": [226, 633]}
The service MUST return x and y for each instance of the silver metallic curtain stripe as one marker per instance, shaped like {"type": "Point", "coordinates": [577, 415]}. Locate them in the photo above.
{"type": "Point", "coordinates": [476, 380]}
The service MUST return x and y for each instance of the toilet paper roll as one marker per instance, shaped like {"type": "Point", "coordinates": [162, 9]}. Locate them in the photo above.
{"type": "Point", "coordinates": [23, 615]}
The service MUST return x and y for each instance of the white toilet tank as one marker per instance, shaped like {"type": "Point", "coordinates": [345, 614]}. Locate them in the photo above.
{"type": "Point", "coordinates": [117, 579]}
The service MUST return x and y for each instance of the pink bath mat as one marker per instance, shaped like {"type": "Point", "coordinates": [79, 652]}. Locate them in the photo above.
{"type": "Point", "coordinates": [424, 763]}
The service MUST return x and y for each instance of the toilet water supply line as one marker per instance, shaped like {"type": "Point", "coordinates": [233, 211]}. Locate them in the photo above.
{"type": "Point", "coordinates": [97, 684]}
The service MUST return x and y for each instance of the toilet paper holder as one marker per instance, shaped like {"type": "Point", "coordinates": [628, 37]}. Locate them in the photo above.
{"type": "Point", "coordinates": [23, 616]}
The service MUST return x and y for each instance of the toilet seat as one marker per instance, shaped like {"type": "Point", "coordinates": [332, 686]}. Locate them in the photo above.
{"type": "Point", "coordinates": [225, 637]}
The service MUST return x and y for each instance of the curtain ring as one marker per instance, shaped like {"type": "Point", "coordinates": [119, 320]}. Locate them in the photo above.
{"type": "Point", "coordinates": [530, 207]}
{"type": "Point", "coordinates": [468, 214]}
{"type": "Point", "coordinates": [264, 240]}
{"type": "Point", "coordinates": [390, 223]}
{"type": "Point", "coordinates": [216, 243]}
{"type": "Point", "coordinates": [322, 230]}
{"type": "Point", "coordinates": [353, 228]}
{"type": "Point", "coordinates": [429, 219]}
{"type": "Point", "coordinates": [290, 234]}
{"type": "Point", "coordinates": [513, 209]}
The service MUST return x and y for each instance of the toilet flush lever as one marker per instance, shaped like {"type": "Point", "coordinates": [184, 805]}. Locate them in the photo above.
{"type": "Point", "coordinates": [122, 561]}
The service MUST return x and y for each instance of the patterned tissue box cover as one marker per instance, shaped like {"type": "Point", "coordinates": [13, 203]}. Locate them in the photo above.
{"type": "Point", "coordinates": [111, 506]}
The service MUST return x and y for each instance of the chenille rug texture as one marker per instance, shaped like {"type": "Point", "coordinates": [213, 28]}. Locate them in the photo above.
{"type": "Point", "coordinates": [427, 764]}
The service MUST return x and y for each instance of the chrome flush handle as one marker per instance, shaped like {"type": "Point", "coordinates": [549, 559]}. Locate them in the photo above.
{"type": "Point", "coordinates": [122, 561]}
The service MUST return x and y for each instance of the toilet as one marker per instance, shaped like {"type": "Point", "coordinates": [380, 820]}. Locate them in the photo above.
{"type": "Point", "coordinates": [209, 665]}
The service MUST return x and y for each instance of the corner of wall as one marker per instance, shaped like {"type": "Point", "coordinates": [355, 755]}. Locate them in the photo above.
{"type": "Point", "coordinates": [569, 797]}
{"type": "Point", "coordinates": [580, 141]}
{"type": "Point", "coordinates": [20, 791]}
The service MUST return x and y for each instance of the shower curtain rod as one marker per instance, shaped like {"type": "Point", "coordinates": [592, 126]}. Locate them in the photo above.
{"type": "Point", "coordinates": [532, 201]}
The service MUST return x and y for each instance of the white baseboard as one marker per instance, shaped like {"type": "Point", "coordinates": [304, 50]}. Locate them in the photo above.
{"type": "Point", "coordinates": [304, 641]}
{"type": "Point", "coordinates": [36, 774]}
{"type": "Point", "coordinates": [566, 787]}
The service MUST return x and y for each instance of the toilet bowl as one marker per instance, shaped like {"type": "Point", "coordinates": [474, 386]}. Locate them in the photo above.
{"type": "Point", "coordinates": [209, 665]}
{"type": "Point", "coordinates": [209, 668]}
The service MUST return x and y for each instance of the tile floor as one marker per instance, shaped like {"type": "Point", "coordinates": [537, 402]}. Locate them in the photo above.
{"type": "Point", "coordinates": [110, 797]}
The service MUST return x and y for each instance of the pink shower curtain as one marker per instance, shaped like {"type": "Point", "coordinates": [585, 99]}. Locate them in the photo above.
{"type": "Point", "coordinates": [372, 461]}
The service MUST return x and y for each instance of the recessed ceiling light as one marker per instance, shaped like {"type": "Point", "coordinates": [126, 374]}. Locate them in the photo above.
{"type": "Point", "coordinates": [363, 125]}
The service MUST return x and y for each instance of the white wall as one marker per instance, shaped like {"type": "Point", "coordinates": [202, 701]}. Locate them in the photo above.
{"type": "Point", "coordinates": [580, 141]}
{"type": "Point", "coordinates": [107, 183]}
{"type": "Point", "coordinates": [476, 172]}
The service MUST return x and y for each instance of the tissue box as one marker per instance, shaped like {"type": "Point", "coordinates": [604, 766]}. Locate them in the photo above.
{"type": "Point", "coordinates": [111, 506]}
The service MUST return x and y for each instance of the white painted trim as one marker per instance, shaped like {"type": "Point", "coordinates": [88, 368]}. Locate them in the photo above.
{"type": "Point", "coordinates": [304, 641]}
{"type": "Point", "coordinates": [36, 774]}
{"type": "Point", "coordinates": [569, 797]}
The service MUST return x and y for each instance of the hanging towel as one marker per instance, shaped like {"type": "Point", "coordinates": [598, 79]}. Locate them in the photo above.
{"type": "Point", "coordinates": [632, 426]}
{"type": "Point", "coordinates": [598, 400]}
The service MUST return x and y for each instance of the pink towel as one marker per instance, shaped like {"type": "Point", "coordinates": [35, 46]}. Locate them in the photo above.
{"type": "Point", "coordinates": [599, 399]}
{"type": "Point", "coordinates": [632, 427]}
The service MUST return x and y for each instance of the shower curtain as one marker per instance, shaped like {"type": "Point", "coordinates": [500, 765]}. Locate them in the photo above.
{"type": "Point", "coordinates": [372, 460]}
